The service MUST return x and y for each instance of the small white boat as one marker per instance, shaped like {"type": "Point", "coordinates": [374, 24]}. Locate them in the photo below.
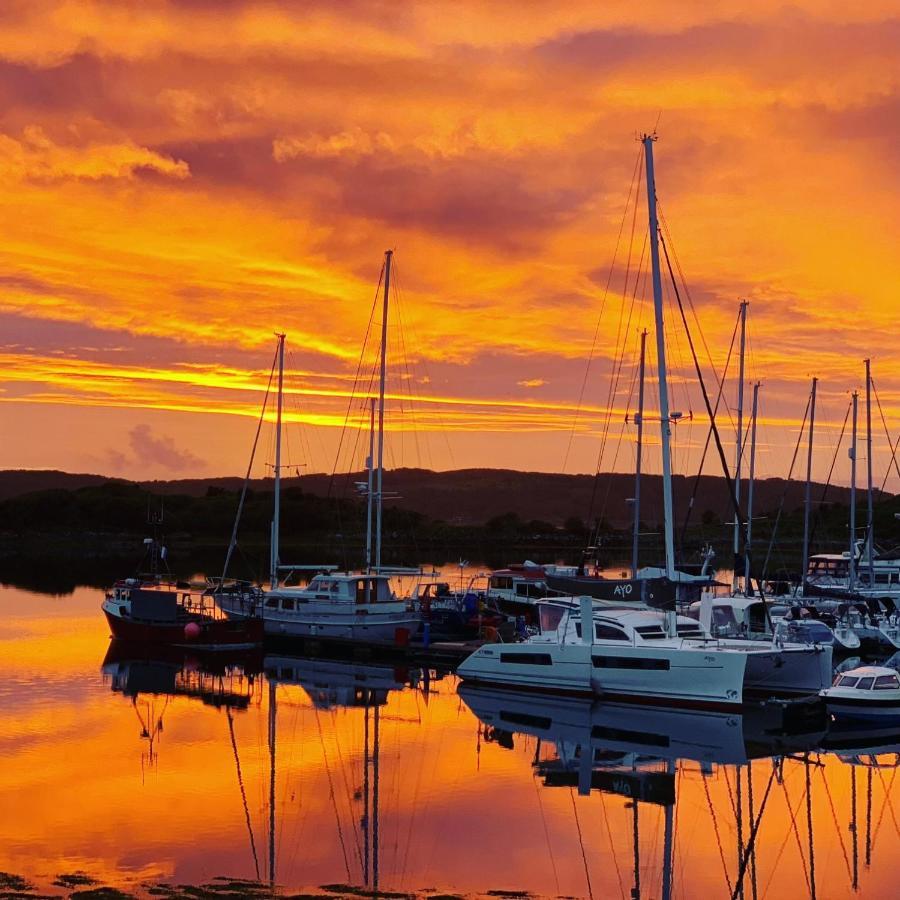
{"type": "Point", "coordinates": [868, 692]}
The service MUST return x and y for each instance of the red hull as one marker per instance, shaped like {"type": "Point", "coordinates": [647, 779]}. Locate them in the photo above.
{"type": "Point", "coordinates": [214, 633]}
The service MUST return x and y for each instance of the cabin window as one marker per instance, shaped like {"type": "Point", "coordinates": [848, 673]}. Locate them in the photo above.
{"type": "Point", "coordinates": [272, 603]}
{"type": "Point", "coordinates": [847, 681]}
{"type": "Point", "coordinates": [689, 631]}
{"type": "Point", "coordinates": [630, 662]}
{"type": "Point", "coordinates": [609, 633]}
{"type": "Point", "coordinates": [287, 603]}
{"type": "Point", "coordinates": [522, 590]}
{"type": "Point", "coordinates": [521, 718]}
{"type": "Point", "coordinates": [604, 632]}
{"type": "Point", "coordinates": [650, 632]}
{"type": "Point", "coordinates": [887, 683]}
{"type": "Point", "coordinates": [527, 659]}
{"type": "Point", "coordinates": [865, 684]}
{"type": "Point", "coordinates": [502, 583]}
{"type": "Point", "coordinates": [550, 617]}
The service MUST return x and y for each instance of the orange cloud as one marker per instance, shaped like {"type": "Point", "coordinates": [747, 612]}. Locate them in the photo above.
{"type": "Point", "coordinates": [178, 176]}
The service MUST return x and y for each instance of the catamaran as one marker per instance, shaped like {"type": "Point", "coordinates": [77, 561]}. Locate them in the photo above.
{"type": "Point", "coordinates": [585, 647]}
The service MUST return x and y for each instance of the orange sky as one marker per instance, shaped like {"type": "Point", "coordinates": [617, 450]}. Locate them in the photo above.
{"type": "Point", "coordinates": [178, 180]}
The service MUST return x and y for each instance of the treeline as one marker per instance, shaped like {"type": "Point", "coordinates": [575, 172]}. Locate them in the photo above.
{"type": "Point", "coordinates": [111, 519]}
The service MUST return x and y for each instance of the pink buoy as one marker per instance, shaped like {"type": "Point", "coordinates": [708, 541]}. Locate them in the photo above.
{"type": "Point", "coordinates": [192, 631]}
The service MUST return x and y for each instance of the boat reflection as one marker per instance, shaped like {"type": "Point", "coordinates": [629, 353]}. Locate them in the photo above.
{"type": "Point", "coordinates": [230, 680]}
{"type": "Point", "coordinates": [333, 684]}
{"type": "Point", "coordinates": [638, 752]}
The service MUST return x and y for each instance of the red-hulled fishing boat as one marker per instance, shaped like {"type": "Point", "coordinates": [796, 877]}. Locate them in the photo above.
{"type": "Point", "coordinates": [161, 612]}
{"type": "Point", "coordinates": [158, 609]}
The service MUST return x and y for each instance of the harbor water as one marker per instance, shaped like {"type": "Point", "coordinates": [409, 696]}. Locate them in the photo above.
{"type": "Point", "coordinates": [147, 773]}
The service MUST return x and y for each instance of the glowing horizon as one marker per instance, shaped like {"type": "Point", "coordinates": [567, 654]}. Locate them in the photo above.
{"type": "Point", "coordinates": [179, 183]}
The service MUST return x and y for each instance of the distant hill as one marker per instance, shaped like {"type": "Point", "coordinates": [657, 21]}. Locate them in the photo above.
{"type": "Point", "coordinates": [475, 496]}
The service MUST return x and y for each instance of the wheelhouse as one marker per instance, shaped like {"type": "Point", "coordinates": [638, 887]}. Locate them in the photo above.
{"type": "Point", "coordinates": [826, 565]}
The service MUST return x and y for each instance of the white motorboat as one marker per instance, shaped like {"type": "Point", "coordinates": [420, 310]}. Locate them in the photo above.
{"type": "Point", "coordinates": [867, 692]}
{"type": "Point", "coordinates": [333, 606]}
{"type": "Point", "coordinates": [629, 655]}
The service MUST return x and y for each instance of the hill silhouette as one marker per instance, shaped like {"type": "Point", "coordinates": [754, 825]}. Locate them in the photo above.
{"type": "Point", "coordinates": [475, 496]}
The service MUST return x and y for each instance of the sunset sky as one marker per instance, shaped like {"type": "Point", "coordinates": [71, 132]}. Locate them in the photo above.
{"type": "Point", "coordinates": [182, 179]}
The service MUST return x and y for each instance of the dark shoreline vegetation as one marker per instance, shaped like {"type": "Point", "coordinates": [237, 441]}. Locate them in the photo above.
{"type": "Point", "coordinates": [81, 886]}
{"type": "Point", "coordinates": [56, 538]}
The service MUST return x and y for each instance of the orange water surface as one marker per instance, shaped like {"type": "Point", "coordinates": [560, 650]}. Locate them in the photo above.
{"type": "Point", "coordinates": [145, 770]}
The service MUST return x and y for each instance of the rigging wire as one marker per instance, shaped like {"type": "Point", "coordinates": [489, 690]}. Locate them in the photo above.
{"type": "Point", "coordinates": [636, 176]}
{"type": "Point", "coordinates": [362, 356]}
{"type": "Point", "coordinates": [237, 763]}
{"type": "Point", "coordinates": [815, 523]}
{"type": "Point", "coordinates": [778, 515]}
{"type": "Point", "coordinates": [690, 507]}
{"type": "Point", "coordinates": [237, 519]}
{"type": "Point", "coordinates": [751, 843]}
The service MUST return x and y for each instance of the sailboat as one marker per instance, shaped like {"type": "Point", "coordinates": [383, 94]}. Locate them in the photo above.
{"type": "Point", "coordinates": [347, 607]}
{"type": "Point", "coordinates": [623, 653]}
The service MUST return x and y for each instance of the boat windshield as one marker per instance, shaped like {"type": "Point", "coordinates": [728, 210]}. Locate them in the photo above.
{"type": "Point", "coordinates": [887, 683]}
{"type": "Point", "coordinates": [550, 616]}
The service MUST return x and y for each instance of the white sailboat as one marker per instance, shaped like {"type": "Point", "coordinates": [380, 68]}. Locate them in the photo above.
{"type": "Point", "coordinates": [360, 607]}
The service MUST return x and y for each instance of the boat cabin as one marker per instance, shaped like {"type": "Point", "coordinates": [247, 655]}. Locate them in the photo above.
{"type": "Point", "coordinates": [829, 565]}
{"type": "Point", "coordinates": [868, 678]}
{"type": "Point", "coordinates": [359, 590]}
{"type": "Point", "coordinates": [611, 624]}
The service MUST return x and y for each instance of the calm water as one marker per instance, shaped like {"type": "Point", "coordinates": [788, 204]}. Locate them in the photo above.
{"type": "Point", "coordinates": [138, 772]}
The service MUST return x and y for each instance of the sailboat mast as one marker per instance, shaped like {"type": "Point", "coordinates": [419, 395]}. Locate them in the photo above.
{"type": "Point", "coordinates": [739, 443]}
{"type": "Point", "coordinates": [753, 415]}
{"type": "Point", "coordinates": [853, 493]}
{"type": "Point", "coordinates": [388, 255]}
{"type": "Point", "coordinates": [870, 524]}
{"type": "Point", "coordinates": [664, 419]}
{"type": "Point", "coordinates": [369, 498]}
{"type": "Point", "coordinates": [639, 419]}
{"type": "Point", "coordinates": [276, 515]}
{"type": "Point", "coordinates": [807, 500]}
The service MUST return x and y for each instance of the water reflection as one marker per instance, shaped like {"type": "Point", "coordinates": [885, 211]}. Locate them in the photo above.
{"type": "Point", "coordinates": [142, 769]}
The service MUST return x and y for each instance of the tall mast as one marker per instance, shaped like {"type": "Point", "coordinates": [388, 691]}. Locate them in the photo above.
{"type": "Point", "coordinates": [276, 515]}
{"type": "Point", "coordinates": [388, 255]}
{"type": "Point", "coordinates": [739, 443]}
{"type": "Point", "coordinates": [870, 523]}
{"type": "Point", "coordinates": [369, 498]}
{"type": "Point", "coordinates": [807, 500]}
{"type": "Point", "coordinates": [639, 419]}
{"type": "Point", "coordinates": [753, 415]}
{"type": "Point", "coordinates": [853, 494]}
{"type": "Point", "coordinates": [664, 419]}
